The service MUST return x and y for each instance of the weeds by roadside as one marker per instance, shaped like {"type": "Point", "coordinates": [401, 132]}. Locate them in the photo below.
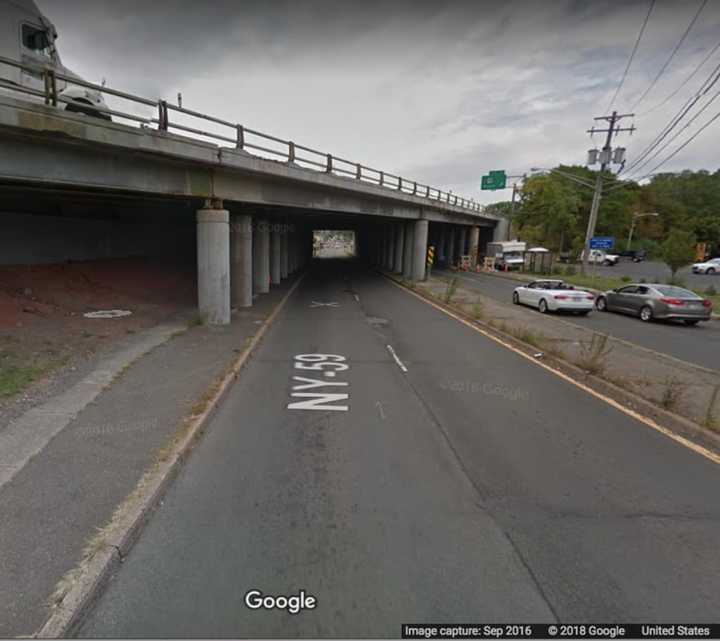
{"type": "Point", "coordinates": [478, 309]}
{"type": "Point", "coordinates": [593, 354]}
{"type": "Point", "coordinates": [711, 421]}
{"type": "Point", "coordinates": [673, 390]}
{"type": "Point", "coordinates": [450, 290]}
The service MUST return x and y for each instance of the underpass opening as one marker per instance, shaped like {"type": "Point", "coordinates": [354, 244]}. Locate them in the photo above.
{"type": "Point", "coordinates": [334, 244]}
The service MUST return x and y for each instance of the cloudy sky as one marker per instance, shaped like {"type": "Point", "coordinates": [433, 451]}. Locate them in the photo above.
{"type": "Point", "coordinates": [441, 92]}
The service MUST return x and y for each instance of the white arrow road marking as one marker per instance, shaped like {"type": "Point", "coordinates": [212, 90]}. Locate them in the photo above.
{"type": "Point", "coordinates": [397, 360]}
{"type": "Point", "coordinates": [378, 404]}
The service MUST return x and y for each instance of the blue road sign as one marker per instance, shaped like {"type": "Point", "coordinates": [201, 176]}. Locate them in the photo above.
{"type": "Point", "coordinates": [602, 242]}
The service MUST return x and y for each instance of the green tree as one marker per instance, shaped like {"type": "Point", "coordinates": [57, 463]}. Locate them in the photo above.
{"type": "Point", "coordinates": [678, 250]}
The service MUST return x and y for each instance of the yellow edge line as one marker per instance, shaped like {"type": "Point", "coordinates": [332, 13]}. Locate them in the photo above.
{"type": "Point", "coordinates": [699, 449]}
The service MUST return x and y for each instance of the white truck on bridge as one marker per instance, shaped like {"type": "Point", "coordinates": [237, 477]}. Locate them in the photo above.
{"type": "Point", "coordinates": [28, 37]}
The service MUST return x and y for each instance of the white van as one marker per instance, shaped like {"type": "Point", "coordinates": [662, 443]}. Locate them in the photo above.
{"type": "Point", "coordinates": [28, 37]}
{"type": "Point", "coordinates": [507, 254]}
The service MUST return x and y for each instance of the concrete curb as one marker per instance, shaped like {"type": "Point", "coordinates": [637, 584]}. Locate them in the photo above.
{"type": "Point", "coordinates": [633, 404]}
{"type": "Point", "coordinates": [91, 576]}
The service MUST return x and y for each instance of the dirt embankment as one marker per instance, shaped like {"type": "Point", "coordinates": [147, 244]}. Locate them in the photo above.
{"type": "Point", "coordinates": [42, 326]}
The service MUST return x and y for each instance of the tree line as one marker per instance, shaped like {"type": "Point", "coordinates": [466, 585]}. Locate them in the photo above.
{"type": "Point", "coordinates": [553, 210]}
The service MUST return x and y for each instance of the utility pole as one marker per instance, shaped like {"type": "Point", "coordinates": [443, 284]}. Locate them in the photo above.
{"type": "Point", "coordinates": [606, 157]}
{"type": "Point", "coordinates": [512, 204]}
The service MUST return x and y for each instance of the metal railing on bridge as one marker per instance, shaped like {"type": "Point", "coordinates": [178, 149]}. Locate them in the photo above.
{"type": "Point", "coordinates": [51, 83]}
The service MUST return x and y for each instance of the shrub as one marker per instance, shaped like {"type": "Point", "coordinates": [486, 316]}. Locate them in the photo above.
{"type": "Point", "coordinates": [570, 270]}
{"type": "Point", "coordinates": [710, 291]}
{"type": "Point", "coordinates": [672, 393]}
{"type": "Point", "coordinates": [625, 279]}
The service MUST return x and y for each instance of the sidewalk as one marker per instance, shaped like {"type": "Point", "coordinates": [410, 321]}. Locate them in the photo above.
{"type": "Point", "coordinates": [87, 448]}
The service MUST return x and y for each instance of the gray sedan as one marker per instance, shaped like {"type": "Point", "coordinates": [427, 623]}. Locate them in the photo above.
{"type": "Point", "coordinates": [653, 301]}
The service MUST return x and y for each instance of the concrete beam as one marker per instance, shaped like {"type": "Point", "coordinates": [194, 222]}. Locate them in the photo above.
{"type": "Point", "coordinates": [241, 258]}
{"type": "Point", "coordinates": [40, 144]}
{"type": "Point", "coordinates": [213, 264]}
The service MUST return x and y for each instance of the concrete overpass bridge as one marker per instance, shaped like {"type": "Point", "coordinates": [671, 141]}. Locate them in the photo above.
{"type": "Point", "coordinates": [74, 186]}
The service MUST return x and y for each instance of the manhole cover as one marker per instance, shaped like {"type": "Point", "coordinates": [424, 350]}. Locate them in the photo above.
{"type": "Point", "coordinates": [108, 313]}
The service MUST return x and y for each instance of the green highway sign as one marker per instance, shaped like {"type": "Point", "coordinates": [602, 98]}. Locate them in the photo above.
{"type": "Point", "coordinates": [494, 180]}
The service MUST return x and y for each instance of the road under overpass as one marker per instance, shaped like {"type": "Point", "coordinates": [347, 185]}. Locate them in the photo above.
{"type": "Point", "coordinates": [73, 187]}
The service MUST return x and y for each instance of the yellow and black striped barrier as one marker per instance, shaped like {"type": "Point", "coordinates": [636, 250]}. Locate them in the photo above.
{"type": "Point", "coordinates": [430, 256]}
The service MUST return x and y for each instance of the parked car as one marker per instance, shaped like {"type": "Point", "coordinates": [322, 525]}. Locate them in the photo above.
{"type": "Point", "coordinates": [711, 266]}
{"type": "Point", "coordinates": [601, 257]}
{"type": "Point", "coordinates": [554, 295]}
{"type": "Point", "coordinates": [635, 255]}
{"type": "Point", "coordinates": [654, 301]}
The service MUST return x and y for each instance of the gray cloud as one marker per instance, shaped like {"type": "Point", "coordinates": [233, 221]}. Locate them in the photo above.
{"type": "Point", "coordinates": [441, 92]}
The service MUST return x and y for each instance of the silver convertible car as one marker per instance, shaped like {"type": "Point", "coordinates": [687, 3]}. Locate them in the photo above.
{"type": "Point", "coordinates": [653, 301]}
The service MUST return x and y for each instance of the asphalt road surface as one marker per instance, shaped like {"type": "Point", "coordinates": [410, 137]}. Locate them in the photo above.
{"type": "Point", "coordinates": [699, 345]}
{"type": "Point", "coordinates": [474, 486]}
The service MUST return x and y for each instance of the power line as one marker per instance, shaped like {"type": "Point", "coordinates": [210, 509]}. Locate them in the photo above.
{"type": "Point", "coordinates": [632, 55]}
{"type": "Point", "coordinates": [672, 55]}
{"type": "Point", "coordinates": [681, 147]}
{"type": "Point", "coordinates": [709, 82]}
{"type": "Point", "coordinates": [669, 142]}
{"type": "Point", "coordinates": [688, 79]}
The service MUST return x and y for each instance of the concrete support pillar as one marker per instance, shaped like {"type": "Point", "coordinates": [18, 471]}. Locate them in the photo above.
{"type": "Point", "coordinates": [408, 253]}
{"type": "Point", "coordinates": [213, 265]}
{"type": "Point", "coordinates": [275, 255]}
{"type": "Point", "coordinates": [440, 249]}
{"type": "Point", "coordinates": [450, 249]}
{"type": "Point", "coordinates": [399, 248]}
{"type": "Point", "coordinates": [420, 237]}
{"type": "Point", "coordinates": [284, 251]}
{"type": "Point", "coordinates": [462, 241]}
{"type": "Point", "coordinates": [500, 232]}
{"type": "Point", "coordinates": [241, 261]}
{"type": "Point", "coordinates": [261, 259]}
{"type": "Point", "coordinates": [474, 245]}
{"type": "Point", "coordinates": [387, 247]}
{"type": "Point", "coordinates": [291, 253]}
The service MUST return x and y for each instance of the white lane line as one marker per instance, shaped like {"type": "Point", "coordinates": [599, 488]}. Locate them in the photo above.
{"type": "Point", "coordinates": [397, 360]}
{"type": "Point", "coordinates": [357, 298]}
